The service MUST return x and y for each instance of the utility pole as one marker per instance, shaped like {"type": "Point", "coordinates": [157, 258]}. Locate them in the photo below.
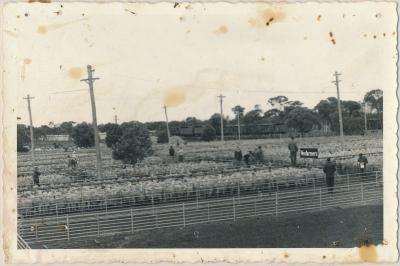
{"type": "Point", "coordinates": [28, 99]}
{"type": "Point", "coordinates": [365, 118]}
{"type": "Point", "coordinates": [238, 123]}
{"type": "Point", "coordinates": [90, 81]}
{"type": "Point", "coordinates": [166, 120]}
{"type": "Point", "coordinates": [221, 97]}
{"type": "Point", "coordinates": [336, 82]}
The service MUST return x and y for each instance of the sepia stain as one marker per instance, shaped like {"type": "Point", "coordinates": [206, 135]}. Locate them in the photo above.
{"type": "Point", "coordinates": [265, 16]}
{"type": "Point", "coordinates": [285, 255]}
{"type": "Point", "coordinates": [384, 34]}
{"type": "Point", "coordinates": [174, 97]}
{"type": "Point", "coordinates": [319, 18]}
{"type": "Point", "coordinates": [181, 18]}
{"type": "Point", "coordinates": [262, 58]}
{"type": "Point", "coordinates": [27, 61]}
{"type": "Point", "coordinates": [42, 29]}
{"type": "Point", "coordinates": [189, 6]}
{"type": "Point", "coordinates": [324, 257]}
{"type": "Point", "coordinates": [39, 1]}
{"type": "Point", "coordinates": [221, 30]}
{"type": "Point", "coordinates": [18, 16]}
{"type": "Point", "coordinates": [368, 253]}
{"type": "Point", "coordinates": [374, 36]}
{"type": "Point", "coordinates": [394, 33]}
{"type": "Point", "coordinates": [26, 14]}
{"type": "Point", "coordinates": [176, 5]}
{"type": "Point", "coordinates": [365, 35]}
{"type": "Point", "coordinates": [75, 72]}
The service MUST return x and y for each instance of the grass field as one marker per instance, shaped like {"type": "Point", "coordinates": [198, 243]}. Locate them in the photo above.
{"type": "Point", "coordinates": [339, 227]}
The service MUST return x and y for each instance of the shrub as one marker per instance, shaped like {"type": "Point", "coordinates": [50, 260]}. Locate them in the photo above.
{"type": "Point", "coordinates": [83, 135]}
{"type": "Point", "coordinates": [209, 133]}
{"type": "Point", "coordinates": [134, 144]}
{"type": "Point", "coordinates": [162, 136]}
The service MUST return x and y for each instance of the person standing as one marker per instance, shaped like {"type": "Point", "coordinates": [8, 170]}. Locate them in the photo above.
{"type": "Point", "coordinates": [36, 175]}
{"type": "Point", "coordinates": [293, 151]}
{"type": "Point", "coordinates": [260, 155]}
{"type": "Point", "coordinates": [171, 151]}
{"type": "Point", "coordinates": [362, 163]}
{"type": "Point", "coordinates": [180, 155]}
{"type": "Point", "coordinates": [329, 170]}
{"type": "Point", "coordinates": [238, 156]}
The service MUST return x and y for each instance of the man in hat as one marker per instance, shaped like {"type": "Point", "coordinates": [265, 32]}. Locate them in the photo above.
{"type": "Point", "coordinates": [329, 170]}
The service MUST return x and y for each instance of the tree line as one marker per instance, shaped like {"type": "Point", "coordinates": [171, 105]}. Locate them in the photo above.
{"type": "Point", "coordinates": [131, 141]}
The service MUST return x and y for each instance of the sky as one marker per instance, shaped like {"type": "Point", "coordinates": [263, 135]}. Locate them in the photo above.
{"type": "Point", "coordinates": [151, 55]}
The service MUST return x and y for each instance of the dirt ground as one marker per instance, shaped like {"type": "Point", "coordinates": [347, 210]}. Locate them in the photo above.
{"type": "Point", "coordinates": [338, 227]}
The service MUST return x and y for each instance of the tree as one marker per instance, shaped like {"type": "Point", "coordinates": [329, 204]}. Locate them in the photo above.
{"type": "Point", "coordinates": [252, 117]}
{"type": "Point", "coordinates": [302, 119]}
{"type": "Point", "coordinates": [113, 131]}
{"type": "Point", "coordinates": [351, 108]}
{"type": "Point", "coordinates": [278, 102]}
{"type": "Point", "coordinates": [209, 133]}
{"type": "Point", "coordinates": [375, 99]}
{"type": "Point", "coordinates": [134, 144]}
{"type": "Point", "coordinates": [238, 110]}
{"type": "Point", "coordinates": [215, 121]}
{"type": "Point", "coordinates": [162, 136]}
{"type": "Point", "coordinates": [66, 128]}
{"type": "Point", "coordinates": [83, 135]}
{"type": "Point", "coordinates": [23, 138]}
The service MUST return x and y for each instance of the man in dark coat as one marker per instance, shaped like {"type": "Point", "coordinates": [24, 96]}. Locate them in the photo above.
{"type": "Point", "coordinates": [362, 162]}
{"type": "Point", "coordinates": [171, 151]}
{"type": "Point", "coordinates": [293, 151]}
{"type": "Point", "coordinates": [36, 175]}
{"type": "Point", "coordinates": [329, 170]}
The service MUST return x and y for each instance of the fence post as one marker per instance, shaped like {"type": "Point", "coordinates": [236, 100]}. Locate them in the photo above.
{"type": "Point", "coordinates": [57, 213]}
{"type": "Point", "coordinates": [156, 217]}
{"type": "Point", "coordinates": [234, 208]}
{"type": "Point", "coordinates": [362, 193]}
{"type": "Point", "coordinates": [98, 225]}
{"type": "Point", "coordinates": [131, 220]}
{"type": "Point", "coordinates": [239, 191]}
{"type": "Point", "coordinates": [255, 205]}
{"type": "Point", "coordinates": [106, 205]}
{"type": "Point", "coordinates": [68, 227]}
{"type": "Point", "coordinates": [208, 212]}
{"type": "Point", "coordinates": [36, 231]}
{"type": "Point", "coordinates": [197, 197]}
{"type": "Point", "coordinates": [320, 198]}
{"type": "Point", "coordinates": [183, 213]}
{"type": "Point", "coordinates": [276, 203]}
{"type": "Point", "coordinates": [152, 203]}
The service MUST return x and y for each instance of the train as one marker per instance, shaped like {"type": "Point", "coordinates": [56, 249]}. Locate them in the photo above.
{"type": "Point", "coordinates": [261, 129]}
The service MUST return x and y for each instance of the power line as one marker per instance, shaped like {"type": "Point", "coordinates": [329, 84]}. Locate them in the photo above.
{"type": "Point", "coordinates": [28, 98]}
{"type": "Point", "coordinates": [221, 97]}
{"type": "Point", "coordinates": [90, 81]}
{"type": "Point", "coordinates": [166, 120]}
{"type": "Point", "coordinates": [336, 82]}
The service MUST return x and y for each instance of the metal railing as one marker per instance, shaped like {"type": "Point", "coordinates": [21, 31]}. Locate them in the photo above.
{"type": "Point", "coordinates": [69, 227]}
{"type": "Point", "coordinates": [21, 243]}
{"type": "Point", "coordinates": [151, 198]}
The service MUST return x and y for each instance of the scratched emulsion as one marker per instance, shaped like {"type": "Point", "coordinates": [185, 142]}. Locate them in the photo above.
{"type": "Point", "coordinates": [267, 16]}
{"type": "Point", "coordinates": [174, 97]}
{"type": "Point", "coordinates": [75, 72]}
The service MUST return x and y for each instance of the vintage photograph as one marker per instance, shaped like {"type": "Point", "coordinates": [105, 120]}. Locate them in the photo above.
{"type": "Point", "coordinates": [195, 125]}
